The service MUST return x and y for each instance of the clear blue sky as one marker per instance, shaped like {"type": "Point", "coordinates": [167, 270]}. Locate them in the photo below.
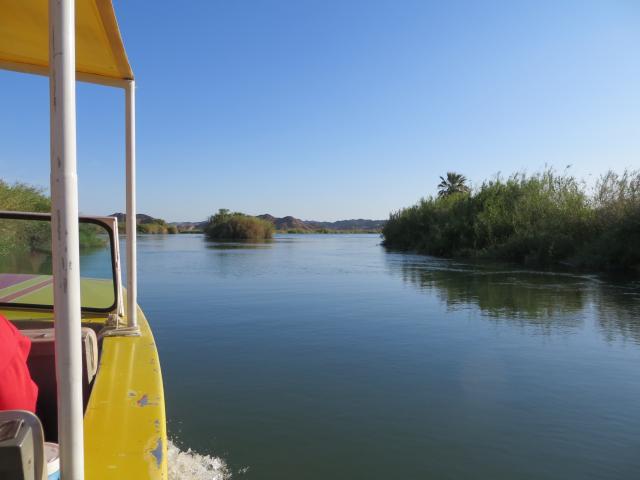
{"type": "Point", "coordinates": [340, 109]}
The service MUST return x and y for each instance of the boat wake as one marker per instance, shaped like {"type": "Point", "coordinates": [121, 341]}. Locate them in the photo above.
{"type": "Point", "coordinates": [189, 465]}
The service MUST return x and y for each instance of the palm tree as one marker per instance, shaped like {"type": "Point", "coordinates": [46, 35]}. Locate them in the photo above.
{"type": "Point", "coordinates": [454, 183]}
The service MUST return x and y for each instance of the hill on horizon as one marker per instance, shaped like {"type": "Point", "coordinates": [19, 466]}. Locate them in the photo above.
{"type": "Point", "coordinates": [141, 218]}
{"type": "Point", "coordinates": [145, 224]}
{"type": "Point", "coordinates": [293, 224]}
{"type": "Point", "coordinates": [282, 224]}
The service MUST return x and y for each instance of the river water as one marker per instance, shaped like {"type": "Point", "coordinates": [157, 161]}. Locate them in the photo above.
{"type": "Point", "coordinates": [327, 357]}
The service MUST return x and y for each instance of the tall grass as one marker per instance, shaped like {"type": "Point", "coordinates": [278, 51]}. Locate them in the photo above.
{"type": "Point", "coordinates": [540, 219]}
{"type": "Point", "coordinates": [225, 225]}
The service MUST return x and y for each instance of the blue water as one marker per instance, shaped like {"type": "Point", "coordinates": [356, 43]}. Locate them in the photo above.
{"type": "Point", "coordinates": [325, 356]}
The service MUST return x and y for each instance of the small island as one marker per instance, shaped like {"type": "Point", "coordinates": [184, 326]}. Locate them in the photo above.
{"type": "Point", "coordinates": [226, 225]}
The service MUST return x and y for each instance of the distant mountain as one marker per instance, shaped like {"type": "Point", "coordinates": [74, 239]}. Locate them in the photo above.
{"type": "Point", "coordinates": [190, 226]}
{"type": "Point", "coordinates": [282, 224]}
{"type": "Point", "coordinates": [286, 223]}
{"type": "Point", "coordinates": [292, 223]}
{"type": "Point", "coordinates": [355, 224]}
{"type": "Point", "coordinates": [145, 224]}
{"type": "Point", "coordinates": [141, 218]}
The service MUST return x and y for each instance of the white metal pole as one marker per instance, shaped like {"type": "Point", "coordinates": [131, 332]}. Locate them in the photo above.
{"type": "Point", "coordinates": [132, 273]}
{"type": "Point", "coordinates": [65, 237]}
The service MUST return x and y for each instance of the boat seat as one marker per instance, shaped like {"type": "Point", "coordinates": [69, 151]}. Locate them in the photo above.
{"type": "Point", "coordinates": [42, 367]}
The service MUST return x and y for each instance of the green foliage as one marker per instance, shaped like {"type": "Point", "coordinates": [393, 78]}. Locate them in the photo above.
{"type": "Point", "coordinates": [540, 219]}
{"type": "Point", "coordinates": [34, 236]}
{"type": "Point", "coordinates": [150, 226]}
{"type": "Point", "coordinates": [616, 223]}
{"type": "Point", "coordinates": [92, 236]}
{"type": "Point", "coordinates": [225, 225]}
{"type": "Point", "coordinates": [20, 197]}
{"type": "Point", "coordinates": [156, 227]}
{"type": "Point", "coordinates": [19, 237]}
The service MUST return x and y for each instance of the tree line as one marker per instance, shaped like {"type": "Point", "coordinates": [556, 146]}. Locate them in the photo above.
{"type": "Point", "coordinates": [539, 219]}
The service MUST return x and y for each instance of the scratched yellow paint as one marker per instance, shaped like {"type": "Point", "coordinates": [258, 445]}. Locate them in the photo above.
{"type": "Point", "coordinates": [125, 424]}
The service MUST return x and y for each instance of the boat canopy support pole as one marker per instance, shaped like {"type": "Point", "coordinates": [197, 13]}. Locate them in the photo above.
{"type": "Point", "coordinates": [65, 237]}
{"type": "Point", "coordinates": [132, 273]}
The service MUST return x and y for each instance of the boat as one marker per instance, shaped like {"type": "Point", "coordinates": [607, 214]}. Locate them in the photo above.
{"type": "Point", "coordinates": [93, 354]}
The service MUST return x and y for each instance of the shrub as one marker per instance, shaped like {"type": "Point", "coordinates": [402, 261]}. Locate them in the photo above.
{"type": "Point", "coordinates": [156, 226]}
{"type": "Point", "coordinates": [225, 225]}
{"type": "Point", "coordinates": [20, 197]}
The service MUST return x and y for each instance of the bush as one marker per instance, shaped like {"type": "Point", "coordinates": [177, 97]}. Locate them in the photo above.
{"type": "Point", "coordinates": [225, 225]}
{"type": "Point", "coordinates": [540, 219]}
{"type": "Point", "coordinates": [616, 224]}
{"type": "Point", "coordinates": [156, 226]}
{"type": "Point", "coordinates": [20, 197]}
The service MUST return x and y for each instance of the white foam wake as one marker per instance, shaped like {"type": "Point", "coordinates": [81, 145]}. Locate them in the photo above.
{"type": "Point", "coordinates": [189, 465]}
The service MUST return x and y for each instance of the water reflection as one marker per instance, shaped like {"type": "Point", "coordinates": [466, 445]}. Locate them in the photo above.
{"type": "Point", "coordinates": [238, 245]}
{"type": "Point", "coordinates": [31, 262]}
{"type": "Point", "coordinates": [548, 301]}
{"type": "Point", "coordinates": [618, 311]}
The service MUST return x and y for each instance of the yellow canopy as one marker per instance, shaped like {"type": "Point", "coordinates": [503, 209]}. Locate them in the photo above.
{"type": "Point", "coordinates": [100, 54]}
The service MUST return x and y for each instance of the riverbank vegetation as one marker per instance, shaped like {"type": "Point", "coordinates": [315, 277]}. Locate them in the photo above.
{"type": "Point", "coordinates": [145, 224]}
{"type": "Point", "coordinates": [32, 236]}
{"type": "Point", "coordinates": [158, 226]}
{"type": "Point", "coordinates": [226, 225]}
{"type": "Point", "coordinates": [542, 219]}
{"type": "Point", "coordinates": [20, 197]}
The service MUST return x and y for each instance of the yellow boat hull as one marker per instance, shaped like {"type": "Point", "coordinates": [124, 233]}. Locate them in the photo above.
{"type": "Point", "coordinates": [125, 433]}
{"type": "Point", "coordinates": [125, 423]}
